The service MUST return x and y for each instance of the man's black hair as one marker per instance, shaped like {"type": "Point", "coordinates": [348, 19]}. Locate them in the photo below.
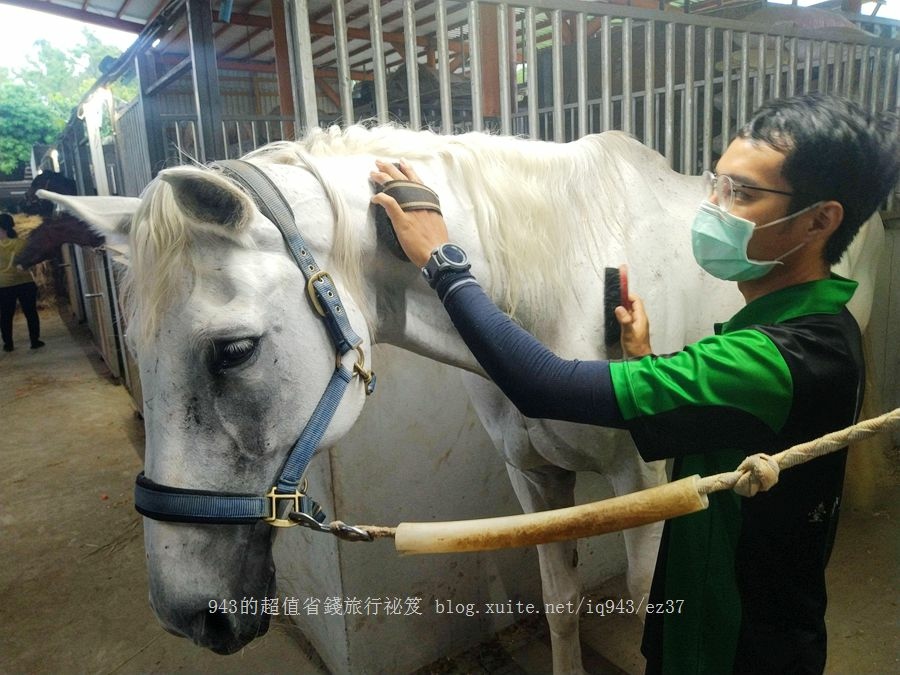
{"type": "Point", "coordinates": [7, 223]}
{"type": "Point", "coordinates": [834, 150]}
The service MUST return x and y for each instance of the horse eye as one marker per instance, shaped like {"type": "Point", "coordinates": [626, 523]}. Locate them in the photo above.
{"type": "Point", "coordinates": [231, 354]}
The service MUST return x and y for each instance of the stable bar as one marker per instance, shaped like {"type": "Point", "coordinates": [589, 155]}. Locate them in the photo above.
{"type": "Point", "coordinates": [475, 61]}
{"type": "Point", "coordinates": [743, 93]}
{"type": "Point", "coordinates": [688, 125]}
{"type": "Point", "coordinates": [888, 78]}
{"type": "Point", "coordinates": [581, 72]}
{"type": "Point", "coordinates": [559, 125]}
{"type": "Point", "coordinates": [443, 53]}
{"type": "Point", "coordinates": [504, 61]}
{"type": "Point", "coordinates": [849, 62]}
{"type": "Point", "coordinates": [669, 114]}
{"type": "Point", "coordinates": [807, 67]}
{"type": "Point", "coordinates": [627, 86]}
{"type": "Point", "coordinates": [344, 81]}
{"type": "Point", "coordinates": [863, 75]}
{"type": "Point", "coordinates": [761, 70]}
{"type": "Point", "coordinates": [708, 85]}
{"type": "Point", "coordinates": [837, 70]}
{"type": "Point", "coordinates": [649, 85]}
{"type": "Point", "coordinates": [378, 69]}
{"type": "Point", "coordinates": [727, 44]}
{"type": "Point", "coordinates": [823, 67]}
{"type": "Point", "coordinates": [779, 66]}
{"type": "Point", "coordinates": [606, 73]}
{"type": "Point", "coordinates": [531, 72]}
{"type": "Point", "coordinates": [412, 64]}
{"type": "Point", "coordinates": [792, 67]}
{"type": "Point", "coordinates": [876, 80]}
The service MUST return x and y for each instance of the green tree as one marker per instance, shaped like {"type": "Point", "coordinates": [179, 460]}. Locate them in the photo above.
{"type": "Point", "coordinates": [38, 99]}
{"type": "Point", "coordinates": [24, 121]}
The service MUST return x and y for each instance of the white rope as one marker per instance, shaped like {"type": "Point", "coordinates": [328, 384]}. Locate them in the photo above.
{"type": "Point", "coordinates": [759, 473]}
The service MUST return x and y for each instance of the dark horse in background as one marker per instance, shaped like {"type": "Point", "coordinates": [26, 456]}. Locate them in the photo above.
{"type": "Point", "coordinates": [44, 241]}
{"type": "Point", "coordinates": [46, 180]}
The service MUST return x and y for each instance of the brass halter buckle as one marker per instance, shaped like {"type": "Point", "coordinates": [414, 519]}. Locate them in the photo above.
{"type": "Point", "coordinates": [311, 291]}
{"type": "Point", "coordinates": [273, 498]}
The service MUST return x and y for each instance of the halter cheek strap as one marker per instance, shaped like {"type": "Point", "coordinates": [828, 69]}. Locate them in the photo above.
{"type": "Point", "coordinates": [163, 502]}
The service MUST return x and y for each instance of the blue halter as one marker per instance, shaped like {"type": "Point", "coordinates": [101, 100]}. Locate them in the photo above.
{"type": "Point", "coordinates": [162, 502]}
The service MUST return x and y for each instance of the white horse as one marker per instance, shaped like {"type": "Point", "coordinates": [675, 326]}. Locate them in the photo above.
{"type": "Point", "coordinates": [233, 360]}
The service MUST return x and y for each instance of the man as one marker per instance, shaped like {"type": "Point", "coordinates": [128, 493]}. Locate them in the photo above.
{"type": "Point", "coordinates": [787, 198]}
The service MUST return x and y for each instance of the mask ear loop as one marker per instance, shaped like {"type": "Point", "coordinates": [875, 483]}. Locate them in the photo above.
{"type": "Point", "coordinates": [789, 216]}
{"type": "Point", "coordinates": [781, 220]}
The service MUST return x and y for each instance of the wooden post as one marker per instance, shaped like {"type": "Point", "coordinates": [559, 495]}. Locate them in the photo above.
{"type": "Point", "coordinates": [490, 61]}
{"type": "Point", "coordinates": [283, 65]}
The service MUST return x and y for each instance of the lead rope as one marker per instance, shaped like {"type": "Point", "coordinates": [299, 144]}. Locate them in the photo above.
{"type": "Point", "coordinates": [756, 473]}
{"type": "Point", "coordinates": [759, 473]}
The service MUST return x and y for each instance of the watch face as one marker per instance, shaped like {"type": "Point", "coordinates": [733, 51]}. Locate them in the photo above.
{"type": "Point", "coordinates": [453, 253]}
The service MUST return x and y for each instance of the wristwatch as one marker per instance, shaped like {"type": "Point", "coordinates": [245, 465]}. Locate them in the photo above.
{"type": "Point", "coordinates": [445, 258]}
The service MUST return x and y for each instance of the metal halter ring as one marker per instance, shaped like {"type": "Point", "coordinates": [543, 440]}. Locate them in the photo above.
{"type": "Point", "coordinates": [359, 368]}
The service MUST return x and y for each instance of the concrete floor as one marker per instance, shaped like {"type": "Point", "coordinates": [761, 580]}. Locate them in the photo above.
{"type": "Point", "coordinates": [73, 593]}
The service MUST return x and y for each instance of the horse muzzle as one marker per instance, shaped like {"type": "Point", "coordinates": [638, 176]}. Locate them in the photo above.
{"type": "Point", "coordinates": [223, 626]}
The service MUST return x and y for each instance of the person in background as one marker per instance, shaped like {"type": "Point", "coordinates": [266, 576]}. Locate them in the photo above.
{"type": "Point", "coordinates": [787, 197]}
{"type": "Point", "coordinates": [16, 285]}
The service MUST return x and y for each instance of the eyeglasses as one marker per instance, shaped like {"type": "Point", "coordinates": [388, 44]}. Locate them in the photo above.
{"type": "Point", "coordinates": [725, 189]}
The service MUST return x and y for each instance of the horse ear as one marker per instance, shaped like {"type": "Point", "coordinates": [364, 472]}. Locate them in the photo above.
{"type": "Point", "coordinates": [110, 217]}
{"type": "Point", "coordinates": [208, 197]}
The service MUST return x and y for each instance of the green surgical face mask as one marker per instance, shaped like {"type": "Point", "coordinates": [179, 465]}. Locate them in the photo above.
{"type": "Point", "coordinates": [720, 239]}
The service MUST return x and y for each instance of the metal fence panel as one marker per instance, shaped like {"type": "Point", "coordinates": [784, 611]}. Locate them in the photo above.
{"type": "Point", "coordinates": [134, 156]}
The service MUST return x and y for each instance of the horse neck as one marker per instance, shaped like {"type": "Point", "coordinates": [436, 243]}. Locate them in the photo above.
{"type": "Point", "coordinates": [68, 230]}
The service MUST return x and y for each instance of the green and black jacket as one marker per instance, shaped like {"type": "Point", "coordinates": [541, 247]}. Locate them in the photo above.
{"type": "Point", "coordinates": [750, 573]}
{"type": "Point", "coordinates": [747, 575]}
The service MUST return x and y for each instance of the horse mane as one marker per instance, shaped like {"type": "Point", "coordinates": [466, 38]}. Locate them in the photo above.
{"type": "Point", "coordinates": [537, 205]}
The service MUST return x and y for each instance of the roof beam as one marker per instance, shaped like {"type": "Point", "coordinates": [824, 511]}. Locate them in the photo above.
{"type": "Point", "coordinates": [78, 15]}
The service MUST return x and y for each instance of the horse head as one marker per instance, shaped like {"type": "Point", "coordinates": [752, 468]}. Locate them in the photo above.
{"type": "Point", "coordinates": [51, 181]}
{"type": "Point", "coordinates": [233, 362]}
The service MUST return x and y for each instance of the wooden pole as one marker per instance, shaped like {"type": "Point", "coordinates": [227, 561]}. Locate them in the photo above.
{"type": "Point", "coordinates": [490, 62]}
{"type": "Point", "coordinates": [283, 65]}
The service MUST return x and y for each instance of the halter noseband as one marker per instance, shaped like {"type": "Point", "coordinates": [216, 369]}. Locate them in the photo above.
{"type": "Point", "coordinates": [163, 502]}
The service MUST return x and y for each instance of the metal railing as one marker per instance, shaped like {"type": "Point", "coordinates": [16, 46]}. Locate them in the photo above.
{"type": "Point", "coordinates": [555, 70]}
{"type": "Point", "coordinates": [681, 83]}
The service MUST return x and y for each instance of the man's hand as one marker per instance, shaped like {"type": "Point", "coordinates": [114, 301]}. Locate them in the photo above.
{"type": "Point", "coordinates": [418, 231]}
{"type": "Point", "coordinates": [635, 328]}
